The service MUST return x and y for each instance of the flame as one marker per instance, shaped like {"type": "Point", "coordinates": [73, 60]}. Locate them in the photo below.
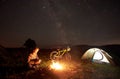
{"type": "Point", "coordinates": [56, 66]}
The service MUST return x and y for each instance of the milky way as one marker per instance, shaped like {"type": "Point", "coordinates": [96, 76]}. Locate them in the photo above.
{"type": "Point", "coordinates": [58, 22]}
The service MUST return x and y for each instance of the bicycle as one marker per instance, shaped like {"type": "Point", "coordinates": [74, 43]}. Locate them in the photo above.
{"type": "Point", "coordinates": [61, 54]}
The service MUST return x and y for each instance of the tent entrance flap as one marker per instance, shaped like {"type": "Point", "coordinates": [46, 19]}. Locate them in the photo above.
{"type": "Point", "coordinates": [100, 57]}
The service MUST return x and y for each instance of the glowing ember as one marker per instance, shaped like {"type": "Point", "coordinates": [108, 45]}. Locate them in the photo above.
{"type": "Point", "coordinates": [56, 66]}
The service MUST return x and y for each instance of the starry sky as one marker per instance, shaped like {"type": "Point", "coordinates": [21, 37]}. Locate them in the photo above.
{"type": "Point", "coordinates": [59, 22]}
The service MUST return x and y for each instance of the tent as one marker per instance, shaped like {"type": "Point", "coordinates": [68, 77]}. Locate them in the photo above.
{"type": "Point", "coordinates": [97, 55]}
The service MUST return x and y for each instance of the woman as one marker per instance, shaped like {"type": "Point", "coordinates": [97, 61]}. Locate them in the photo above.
{"type": "Point", "coordinates": [33, 59]}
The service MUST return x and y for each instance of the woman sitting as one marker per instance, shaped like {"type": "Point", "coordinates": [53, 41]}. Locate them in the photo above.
{"type": "Point", "coordinates": [33, 59]}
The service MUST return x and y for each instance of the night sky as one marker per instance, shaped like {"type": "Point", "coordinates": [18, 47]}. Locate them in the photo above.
{"type": "Point", "coordinates": [58, 22]}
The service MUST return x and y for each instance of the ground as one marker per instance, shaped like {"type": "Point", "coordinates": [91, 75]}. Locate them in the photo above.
{"type": "Point", "coordinates": [77, 71]}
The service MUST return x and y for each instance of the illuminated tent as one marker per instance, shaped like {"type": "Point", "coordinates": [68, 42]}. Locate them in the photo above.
{"type": "Point", "coordinates": [97, 55]}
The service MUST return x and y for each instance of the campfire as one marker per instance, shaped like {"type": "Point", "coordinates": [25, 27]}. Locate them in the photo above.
{"type": "Point", "coordinates": [57, 66]}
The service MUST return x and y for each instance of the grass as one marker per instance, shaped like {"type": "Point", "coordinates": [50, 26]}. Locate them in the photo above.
{"type": "Point", "coordinates": [75, 70]}
{"type": "Point", "coordinates": [97, 71]}
{"type": "Point", "coordinates": [80, 71]}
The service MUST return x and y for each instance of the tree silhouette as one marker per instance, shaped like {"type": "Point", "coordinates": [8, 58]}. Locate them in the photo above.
{"type": "Point", "coordinates": [29, 43]}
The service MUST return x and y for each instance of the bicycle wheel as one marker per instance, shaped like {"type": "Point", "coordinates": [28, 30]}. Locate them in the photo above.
{"type": "Point", "coordinates": [53, 55]}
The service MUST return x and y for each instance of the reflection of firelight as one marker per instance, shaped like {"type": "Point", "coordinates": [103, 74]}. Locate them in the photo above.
{"type": "Point", "coordinates": [56, 66]}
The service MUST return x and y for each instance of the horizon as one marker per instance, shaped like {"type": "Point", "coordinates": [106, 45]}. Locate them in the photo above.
{"type": "Point", "coordinates": [59, 46]}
